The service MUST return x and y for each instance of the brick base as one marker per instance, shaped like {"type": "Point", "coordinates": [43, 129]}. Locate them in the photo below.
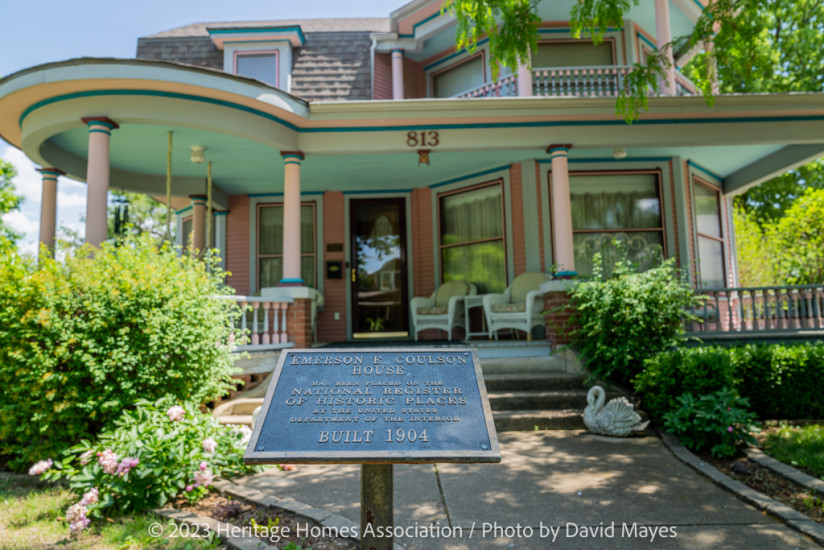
{"type": "Point", "coordinates": [558, 325]}
{"type": "Point", "coordinates": [299, 323]}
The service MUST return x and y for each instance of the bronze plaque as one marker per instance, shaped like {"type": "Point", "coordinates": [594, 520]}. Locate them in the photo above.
{"type": "Point", "coordinates": [375, 406]}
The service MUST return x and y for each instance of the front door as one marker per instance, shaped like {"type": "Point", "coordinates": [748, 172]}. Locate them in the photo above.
{"type": "Point", "coordinates": [378, 269]}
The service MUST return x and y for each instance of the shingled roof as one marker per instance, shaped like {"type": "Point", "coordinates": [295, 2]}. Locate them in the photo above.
{"type": "Point", "coordinates": [351, 24]}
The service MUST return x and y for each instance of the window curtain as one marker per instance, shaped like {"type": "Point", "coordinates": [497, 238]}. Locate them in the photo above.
{"type": "Point", "coordinates": [270, 245]}
{"type": "Point", "coordinates": [472, 238]}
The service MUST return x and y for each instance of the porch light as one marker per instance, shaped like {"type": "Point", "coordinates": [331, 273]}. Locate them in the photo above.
{"type": "Point", "coordinates": [197, 154]}
{"type": "Point", "coordinates": [423, 157]}
{"type": "Point", "coordinates": [618, 153]}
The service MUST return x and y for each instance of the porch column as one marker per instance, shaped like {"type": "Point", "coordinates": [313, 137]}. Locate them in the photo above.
{"type": "Point", "coordinates": [97, 178]}
{"type": "Point", "coordinates": [198, 223]}
{"type": "Point", "coordinates": [664, 36]}
{"type": "Point", "coordinates": [291, 218]}
{"type": "Point", "coordinates": [562, 244]}
{"type": "Point", "coordinates": [48, 207]}
{"type": "Point", "coordinates": [524, 81]}
{"type": "Point", "coordinates": [397, 74]}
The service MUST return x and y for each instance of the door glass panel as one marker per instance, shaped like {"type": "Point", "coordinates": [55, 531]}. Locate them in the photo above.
{"type": "Point", "coordinates": [379, 273]}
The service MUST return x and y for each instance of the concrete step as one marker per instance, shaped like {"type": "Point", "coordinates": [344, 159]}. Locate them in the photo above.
{"type": "Point", "coordinates": [565, 419]}
{"type": "Point", "coordinates": [520, 365]}
{"type": "Point", "coordinates": [534, 381]}
{"type": "Point", "coordinates": [544, 400]}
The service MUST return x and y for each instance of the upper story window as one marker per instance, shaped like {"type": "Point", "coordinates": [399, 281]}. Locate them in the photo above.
{"type": "Point", "coordinates": [459, 78]}
{"type": "Point", "coordinates": [573, 54]}
{"type": "Point", "coordinates": [262, 65]}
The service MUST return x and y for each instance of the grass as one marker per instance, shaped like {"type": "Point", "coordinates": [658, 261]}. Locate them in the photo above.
{"type": "Point", "coordinates": [802, 447]}
{"type": "Point", "coordinates": [31, 518]}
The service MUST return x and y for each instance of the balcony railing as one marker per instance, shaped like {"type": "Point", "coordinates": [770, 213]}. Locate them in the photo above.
{"type": "Point", "coordinates": [759, 311]}
{"type": "Point", "coordinates": [605, 81]}
{"type": "Point", "coordinates": [263, 323]}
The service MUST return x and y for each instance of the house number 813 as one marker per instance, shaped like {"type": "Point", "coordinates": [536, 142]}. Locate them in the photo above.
{"type": "Point", "coordinates": [427, 138]}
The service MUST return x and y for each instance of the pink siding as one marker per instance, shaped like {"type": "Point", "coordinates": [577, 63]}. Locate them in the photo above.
{"type": "Point", "coordinates": [423, 263]}
{"type": "Point", "coordinates": [334, 290]}
{"type": "Point", "coordinates": [516, 210]}
{"type": "Point", "coordinates": [414, 80]}
{"type": "Point", "coordinates": [383, 76]}
{"type": "Point", "coordinates": [538, 195]}
{"type": "Point", "coordinates": [237, 244]}
{"type": "Point", "coordinates": [673, 215]}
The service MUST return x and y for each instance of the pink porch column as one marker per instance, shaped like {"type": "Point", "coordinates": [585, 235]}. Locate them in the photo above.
{"type": "Point", "coordinates": [397, 74]}
{"type": "Point", "coordinates": [97, 178]}
{"type": "Point", "coordinates": [291, 218]}
{"type": "Point", "coordinates": [198, 222]}
{"type": "Point", "coordinates": [48, 207]}
{"type": "Point", "coordinates": [561, 209]}
{"type": "Point", "coordinates": [664, 36]}
{"type": "Point", "coordinates": [524, 81]}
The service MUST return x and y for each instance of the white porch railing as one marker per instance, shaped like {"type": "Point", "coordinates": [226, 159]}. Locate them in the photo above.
{"type": "Point", "coordinates": [263, 322]}
{"type": "Point", "coordinates": [604, 81]}
{"type": "Point", "coordinates": [760, 310]}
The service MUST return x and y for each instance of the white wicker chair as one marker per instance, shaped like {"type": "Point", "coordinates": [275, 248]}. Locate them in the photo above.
{"type": "Point", "coordinates": [519, 307]}
{"type": "Point", "coordinates": [443, 310]}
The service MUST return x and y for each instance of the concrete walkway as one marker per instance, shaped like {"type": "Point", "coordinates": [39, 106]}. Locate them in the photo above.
{"type": "Point", "coordinates": [553, 489]}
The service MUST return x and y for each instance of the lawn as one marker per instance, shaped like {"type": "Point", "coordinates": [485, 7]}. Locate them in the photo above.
{"type": "Point", "coordinates": [31, 518]}
{"type": "Point", "coordinates": [800, 446]}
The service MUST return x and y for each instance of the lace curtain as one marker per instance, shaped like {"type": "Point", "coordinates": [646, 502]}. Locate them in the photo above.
{"type": "Point", "coordinates": [270, 245]}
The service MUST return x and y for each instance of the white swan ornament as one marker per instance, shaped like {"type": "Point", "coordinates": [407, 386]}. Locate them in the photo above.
{"type": "Point", "coordinates": [615, 418]}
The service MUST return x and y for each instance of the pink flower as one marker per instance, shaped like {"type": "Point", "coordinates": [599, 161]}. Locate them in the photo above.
{"type": "Point", "coordinates": [76, 516]}
{"type": "Point", "coordinates": [40, 467]}
{"type": "Point", "coordinates": [209, 445]}
{"type": "Point", "coordinates": [288, 467]}
{"type": "Point", "coordinates": [90, 497]}
{"type": "Point", "coordinates": [127, 464]}
{"type": "Point", "coordinates": [86, 457]}
{"type": "Point", "coordinates": [189, 488]}
{"type": "Point", "coordinates": [176, 413]}
{"type": "Point", "coordinates": [108, 461]}
{"type": "Point", "coordinates": [729, 429]}
{"type": "Point", "coordinates": [203, 466]}
{"type": "Point", "coordinates": [203, 477]}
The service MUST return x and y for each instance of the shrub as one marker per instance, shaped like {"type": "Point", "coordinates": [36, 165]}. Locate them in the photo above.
{"type": "Point", "coordinates": [719, 422]}
{"type": "Point", "coordinates": [150, 455]}
{"type": "Point", "coordinates": [628, 317]}
{"type": "Point", "coordinates": [85, 338]}
{"type": "Point", "coordinates": [670, 374]}
{"type": "Point", "coordinates": [781, 381]}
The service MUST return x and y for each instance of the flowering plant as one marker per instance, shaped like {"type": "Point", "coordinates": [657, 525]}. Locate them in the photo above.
{"type": "Point", "coordinates": [148, 457]}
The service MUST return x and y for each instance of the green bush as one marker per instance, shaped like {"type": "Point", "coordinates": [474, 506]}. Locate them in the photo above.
{"type": "Point", "coordinates": [781, 381]}
{"type": "Point", "coordinates": [629, 316]}
{"type": "Point", "coordinates": [670, 374]}
{"type": "Point", "coordinates": [718, 422]}
{"type": "Point", "coordinates": [150, 455]}
{"type": "Point", "coordinates": [85, 338]}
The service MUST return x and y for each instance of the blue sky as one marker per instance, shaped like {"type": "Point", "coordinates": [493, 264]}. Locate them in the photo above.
{"type": "Point", "coordinates": [36, 32]}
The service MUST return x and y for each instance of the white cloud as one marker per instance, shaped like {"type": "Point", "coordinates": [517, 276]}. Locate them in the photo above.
{"type": "Point", "coordinates": [18, 221]}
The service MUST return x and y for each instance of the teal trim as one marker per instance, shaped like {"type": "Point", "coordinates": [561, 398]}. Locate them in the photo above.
{"type": "Point", "coordinates": [302, 194]}
{"type": "Point", "coordinates": [451, 56]}
{"type": "Point", "coordinates": [396, 50]}
{"type": "Point", "coordinates": [645, 39]}
{"type": "Point", "coordinates": [108, 125]}
{"type": "Point", "coordinates": [419, 23]}
{"type": "Point", "coordinates": [98, 131]}
{"type": "Point", "coordinates": [377, 191]}
{"type": "Point", "coordinates": [295, 162]}
{"type": "Point", "coordinates": [259, 29]}
{"type": "Point", "coordinates": [152, 93]}
{"type": "Point", "coordinates": [470, 176]}
{"type": "Point", "coordinates": [291, 281]}
{"type": "Point", "coordinates": [179, 212]}
{"type": "Point", "coordinates": [221, 213]}
{"type": "Point", "coordinates": [602, 159]}
{"type": "Point", "coordinates": [50, 173]}
{"type": "Point", "coordinates": [552, 151]}
{"type": "Point", "coordinates": [706, 171]}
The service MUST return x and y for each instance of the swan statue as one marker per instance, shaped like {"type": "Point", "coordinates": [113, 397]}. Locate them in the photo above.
{"type": "Point", "coordinates": [616, 418]}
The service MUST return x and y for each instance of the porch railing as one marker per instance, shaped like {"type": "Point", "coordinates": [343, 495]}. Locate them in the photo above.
{"type": "Point", "coordinates": [759, 310]}
{"type": "Point", "coordinates": [604, 81]}
{"type": "Point", "coordinates": [263, 323]}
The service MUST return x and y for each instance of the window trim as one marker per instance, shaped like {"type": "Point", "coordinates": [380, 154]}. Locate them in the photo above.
{"type": "Point", "coordinates": [698, 234]}
{"type": "Point", "coordinates": [258, 255]}
{"type": "Point", "coordinates": [433, 74]}
{"type": "Point", "coordinates": [502, 238]}
{"type": "Point", "coordinates": [251, 53]}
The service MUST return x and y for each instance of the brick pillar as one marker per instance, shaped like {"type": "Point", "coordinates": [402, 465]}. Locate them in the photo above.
{"type": "Point", "coordinates": [299, 323]}
{"type": "Point", "coordinates": [558, 313]}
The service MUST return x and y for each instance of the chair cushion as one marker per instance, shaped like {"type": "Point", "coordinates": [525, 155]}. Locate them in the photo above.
{"type": "Point", "coordinates": [509, 308]}
{"type": "Point", "coordinates": [449, 289]}
{"type": "Point", "coordinates": [434, 310]}
{"type": "Point", "coordinates": [524, 283]}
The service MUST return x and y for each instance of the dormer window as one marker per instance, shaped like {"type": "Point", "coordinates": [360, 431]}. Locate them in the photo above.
{"type": "Point", "coordinates": [573, 53]}
{"type": "Point", "coordinates": [464, 76]}
{"type": "Point", "coordinates": [262, 65]}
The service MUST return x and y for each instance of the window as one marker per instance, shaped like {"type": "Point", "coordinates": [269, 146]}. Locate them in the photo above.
{"type": "Point", "coordinates": [573, 54]}
{"type": "Point", "coordinates": [459, 78]}
{"type": "Point", "coordinates": [270, 244]}
{"type": "Point", "coordinates": [472, 237]}
{"type": "Point", "coordinates": [187, 229]}
{"type": "Point", "coordinates": [260, 65]}
{"type": "Point", "coordinates": [616, 207]}
{"type": "Point", "coordinates": [710, 237]}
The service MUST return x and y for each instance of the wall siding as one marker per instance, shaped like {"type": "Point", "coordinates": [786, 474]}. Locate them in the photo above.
{"type": "Point", "coordinates": [238, 243]}
{"type": "Point", "coordinates": [383, 76]}
{"type": "Point", "coordinates": [334, 290]}
{"type": "Point", "coordinates": [516, 211]}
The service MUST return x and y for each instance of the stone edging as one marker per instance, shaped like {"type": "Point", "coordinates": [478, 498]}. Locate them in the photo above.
{"type": "Point", "coordinates": [791, 517]}
{"type": "Point", "coordinates": [812, 483]}
{"type": "Point", "coordinates": [253, 496]}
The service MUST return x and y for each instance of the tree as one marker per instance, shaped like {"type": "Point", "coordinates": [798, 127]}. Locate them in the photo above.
{"type": "Point", "coordinates": [144, 215]}
{"type": "Point", "coordinates": [9, 201]}
{"type": "Point", "coordinates": [797, 241]}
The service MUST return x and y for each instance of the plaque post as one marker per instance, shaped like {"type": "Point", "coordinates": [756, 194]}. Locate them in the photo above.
{"type": "Point", "coordinates": [376, 506]}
